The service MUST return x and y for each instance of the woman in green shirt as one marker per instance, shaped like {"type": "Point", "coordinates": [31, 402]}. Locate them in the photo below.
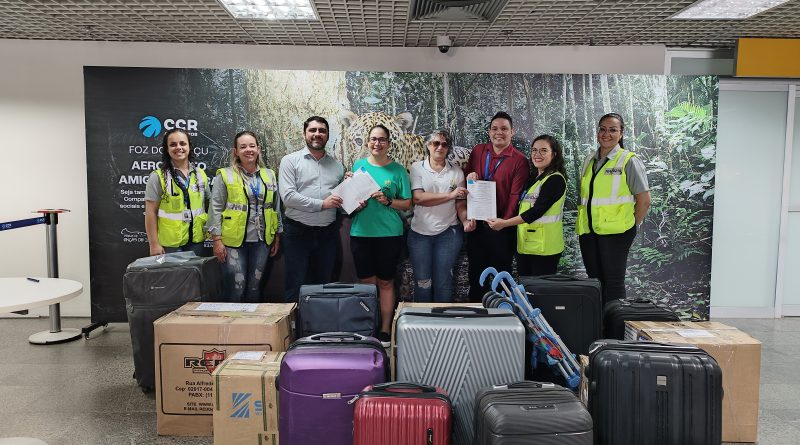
{"type": "Point", "coordinates": [376, 234]}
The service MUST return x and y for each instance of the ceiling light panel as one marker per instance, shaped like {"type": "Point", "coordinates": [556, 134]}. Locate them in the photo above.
{"type": "Point", "coordinates": [270, 9]}
{"type": "Point", "coordinates": [726, 9]}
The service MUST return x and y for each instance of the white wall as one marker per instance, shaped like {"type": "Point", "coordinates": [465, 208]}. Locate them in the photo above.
{"type": "Point", "coordinates": [43, 144]}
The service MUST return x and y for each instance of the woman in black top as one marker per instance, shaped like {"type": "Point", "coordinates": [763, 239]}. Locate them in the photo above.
{"type": "Point", "coordinates": [540, 232]}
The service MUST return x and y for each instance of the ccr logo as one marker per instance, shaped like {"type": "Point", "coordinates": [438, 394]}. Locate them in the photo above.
{"type": "Point", "coordinates": [151, 126]}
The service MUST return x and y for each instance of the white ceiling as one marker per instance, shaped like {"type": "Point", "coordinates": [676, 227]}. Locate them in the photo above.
{"type": "Point", "coordinates": [364, 23]}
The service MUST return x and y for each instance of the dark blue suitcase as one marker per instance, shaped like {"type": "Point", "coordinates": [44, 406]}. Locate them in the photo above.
{"type": "Point", "coordinates": [338, 307]}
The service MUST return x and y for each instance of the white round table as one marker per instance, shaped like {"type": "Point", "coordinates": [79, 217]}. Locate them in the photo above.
{"type": "Point", "coordinates": [20, 293]}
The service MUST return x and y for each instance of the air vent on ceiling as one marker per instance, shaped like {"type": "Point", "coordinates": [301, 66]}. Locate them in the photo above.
{"type": "Point", "coordinates": [455, 10]}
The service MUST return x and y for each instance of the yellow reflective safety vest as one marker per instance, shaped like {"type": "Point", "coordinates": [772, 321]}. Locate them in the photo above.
{"type": "Point", "coordinates": [545, 236]}
{"type": "Point", "coordinates": [606, 200]}
{"type": "Point", "coordinates": [237, 209]}
{"type": "Point", "coordinates": [175, 221]}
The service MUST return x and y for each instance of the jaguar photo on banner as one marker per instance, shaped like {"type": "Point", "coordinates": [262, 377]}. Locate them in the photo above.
{"type": "Point", "coordinates": [670, 123]}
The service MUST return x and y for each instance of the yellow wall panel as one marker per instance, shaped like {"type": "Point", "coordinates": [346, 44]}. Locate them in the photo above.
{"type": "Point", "coordinates": [768, 58]}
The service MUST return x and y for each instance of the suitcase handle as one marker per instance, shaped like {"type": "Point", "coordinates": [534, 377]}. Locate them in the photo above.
{"type": "Point", "coordinates": [557, 277]}
{"type": "Point", "coordinates": [389, 386]}
{"type": "Point", "coordinates": [445, 309]}
{"type": "Point", "coordinates": [528, 384]}
{"type": "Point", "coordinates": [338, 286]}
{"type": "Point", "coordinates": [636, 301]}
{"type": "Point", "coordinates": [336, 336]}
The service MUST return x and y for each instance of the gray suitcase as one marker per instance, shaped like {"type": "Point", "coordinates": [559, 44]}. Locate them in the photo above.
{"type": "Point", "coordinates": [531, 412]}
{"type": "Point", "coordinates": [460, 350]}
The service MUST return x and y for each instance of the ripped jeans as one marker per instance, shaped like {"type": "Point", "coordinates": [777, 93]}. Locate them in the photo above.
{"type": "Point", "coordinates": [242, 272]}
{"type": "Point", "coordinates": [433, 258]}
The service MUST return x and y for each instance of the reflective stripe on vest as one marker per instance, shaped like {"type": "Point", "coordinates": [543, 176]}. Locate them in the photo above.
{"type": "Point", "coordinates": [173, 228]}
{"type": "Point", "coordinates": [545, 236]}
{"type": "Point", "coordinates": [612, 203]}
{"type": "Point", "coordinates": [237, 208]}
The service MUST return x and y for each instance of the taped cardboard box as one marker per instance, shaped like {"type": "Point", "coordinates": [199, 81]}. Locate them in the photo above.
{"type": "Point", "coordinates": [246, 399]}
{"type": "Point", "coordinates": [739, 356]}
{"type": "Point", "coordinates": [196, 338]}
{"type": "Point", "coordinates": [401, 305]}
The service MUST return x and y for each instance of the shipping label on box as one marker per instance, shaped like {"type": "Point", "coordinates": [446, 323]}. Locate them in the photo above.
{"type": "Point", "coordinates": [246, 399]}
{"type": "Point", "coordinates": [739, 356]}
{"type": "Point", "coordinates": [191, 342]}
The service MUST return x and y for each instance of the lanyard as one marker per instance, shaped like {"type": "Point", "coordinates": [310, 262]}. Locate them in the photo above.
{"type": "Point", "coordinates": [487, 175]}
{"type": "Point", "coordinates": [255, 189]}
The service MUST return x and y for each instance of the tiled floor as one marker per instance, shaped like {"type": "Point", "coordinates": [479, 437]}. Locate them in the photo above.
{"type": "Point", "coordinates": [82, 392]}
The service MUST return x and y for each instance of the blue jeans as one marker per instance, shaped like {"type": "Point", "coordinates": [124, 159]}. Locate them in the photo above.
{"type": "Point", "coordinates": [309, 254]}
{"type": "Point", "coordinates": [242, 272]}
{"type": "Point", "coordinates": [433, 258]}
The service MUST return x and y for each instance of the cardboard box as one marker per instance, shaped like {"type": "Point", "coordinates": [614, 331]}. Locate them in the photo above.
{"type": "Point", "coordinates": [401, 305]}
{"type": "Point", "coordinates": [196, 338]}
{"type": "Point", "coordinates": [246, 399]}
{"type": "Point", "coordinates": [739, 356]}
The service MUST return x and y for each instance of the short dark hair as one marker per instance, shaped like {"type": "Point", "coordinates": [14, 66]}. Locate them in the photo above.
{"type": "Point", "coordinates": [502, 115]}
{"type": "Point", "coordinates": [382, 127]}
{"type": "Point", "coordinates": [557, 164]}
{"type": "Point", "coordinates": [166, 161]}
{"type": "Point", "coordinates": [319, 119]}
{"type": "Point", "coordinates": [621, 125]}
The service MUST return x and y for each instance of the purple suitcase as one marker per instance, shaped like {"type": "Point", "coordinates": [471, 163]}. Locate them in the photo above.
{"type": "Point", "coordinates": [319, 375]}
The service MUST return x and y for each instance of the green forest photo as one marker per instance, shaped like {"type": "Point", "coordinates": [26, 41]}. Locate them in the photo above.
{"type": "Point", "coordinates": [670, 123]}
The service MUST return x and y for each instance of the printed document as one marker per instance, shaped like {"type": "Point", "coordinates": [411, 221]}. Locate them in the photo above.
{"type": "Point", "coordinates": [358, 188]}
{"type": "Point", "coordinates": [481, 200]}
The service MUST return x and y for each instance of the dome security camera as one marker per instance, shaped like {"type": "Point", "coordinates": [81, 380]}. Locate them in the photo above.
{"type": "Point", "coordinates": [444, 43]}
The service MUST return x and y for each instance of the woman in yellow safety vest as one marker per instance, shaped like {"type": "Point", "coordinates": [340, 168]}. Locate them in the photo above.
{"type": "Point", "coordinates": [614, 199]}
{"type": "Point", "coordinates": [175, 198]}
{"type": "Point", "coordinates": [540, 232]}
{"type": "Point", "coordinates": [244, 220]}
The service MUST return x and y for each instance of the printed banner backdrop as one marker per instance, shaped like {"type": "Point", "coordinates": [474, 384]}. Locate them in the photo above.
{"type": "Point", "coordinates": [670, 123]}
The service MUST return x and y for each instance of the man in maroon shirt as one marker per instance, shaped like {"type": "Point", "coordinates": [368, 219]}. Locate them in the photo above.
{"type": "Point", "coordinates": [500, 162]}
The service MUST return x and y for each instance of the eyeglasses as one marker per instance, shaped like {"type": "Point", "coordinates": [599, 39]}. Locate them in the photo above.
{"type": "Point", "coordinates": [541, 151]}
{"type": "Point", "coordinates": [612, 130]}
{"type": "Point", "coordinates": [440, 143]}
{"type": "Point", "coordinates": [378, 140]}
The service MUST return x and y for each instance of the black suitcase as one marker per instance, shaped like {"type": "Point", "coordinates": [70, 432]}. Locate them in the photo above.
{"type": "Point", "coordinates": [573, 307]}
{"type": "Point", "coordinates": [153, 289]}
{"type": "Point", "coordinates": [617, 312]}
{"type": "Point", "coordinates": [338, 307]}
{"type": "Point", "coordinates": [653, 393]}
{"type": "Point", "coordinates": [531, 412]}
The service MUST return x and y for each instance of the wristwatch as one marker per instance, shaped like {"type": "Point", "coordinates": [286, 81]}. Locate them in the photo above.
{"type": "Point", "coordinates": [389, 203]}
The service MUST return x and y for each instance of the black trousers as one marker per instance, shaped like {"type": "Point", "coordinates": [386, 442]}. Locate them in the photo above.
{"type": "Point", "coordinates": [485, 248]}
{"type": "Point", "coordinates": [535, 265]}
{"type": "Point", "coordinates": [606, 258]}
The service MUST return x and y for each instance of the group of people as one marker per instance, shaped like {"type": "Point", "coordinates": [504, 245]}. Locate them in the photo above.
{"type": "Point", "coordinates": [252, 213]}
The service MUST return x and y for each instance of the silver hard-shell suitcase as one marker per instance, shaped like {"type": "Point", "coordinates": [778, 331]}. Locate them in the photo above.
{"type": "Point", "coordinates": [460, 350]}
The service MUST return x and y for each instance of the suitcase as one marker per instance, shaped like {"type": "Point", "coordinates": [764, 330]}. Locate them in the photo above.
{"type": "Point", "coordinates": [531, 412]}
{"type": "Point", "coordinates": [573, 307]}
{"type": "Point", "coordinates": [653, 393]}
{"type": "Point", "coordinates": [155, 286]}
{"type": "Point", "coordinates": [338, 307]}
{"type": "Point", "coordinates": [617, 312]}
{"type": "Point", "coordinates": [399, 413]}
{"type": "Point", "coordinates": [319, 375]}
{"type": "Point", "coordinates": [460, 350]}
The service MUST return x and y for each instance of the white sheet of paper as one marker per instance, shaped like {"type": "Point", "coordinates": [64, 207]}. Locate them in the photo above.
{"type": "Point", "coordinates": [481, 200]}
{"type": "Point", "coordinates": [358, 188]}
{"type": "Point", "coordinates": [227, 307]}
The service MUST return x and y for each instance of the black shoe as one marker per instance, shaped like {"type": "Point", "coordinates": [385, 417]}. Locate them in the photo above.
{"type": "Point", "coordinates": [385, 339]}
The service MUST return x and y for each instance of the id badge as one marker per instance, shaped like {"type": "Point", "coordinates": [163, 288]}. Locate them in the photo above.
{"type": "Point", "coordinates": [187, 215]}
